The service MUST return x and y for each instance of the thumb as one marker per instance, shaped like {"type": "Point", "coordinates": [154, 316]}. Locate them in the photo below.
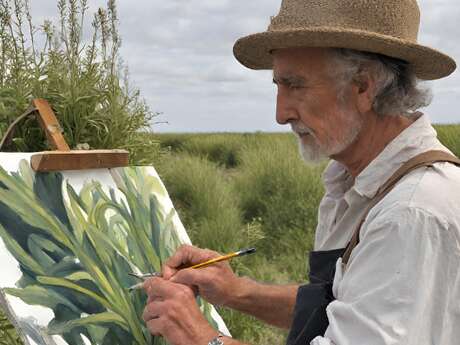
{"type": "Point", "coordinates": [168, 272]}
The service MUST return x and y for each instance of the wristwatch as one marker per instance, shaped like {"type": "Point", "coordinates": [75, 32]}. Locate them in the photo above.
{"type": "Point", "coordinates": [217, 340]}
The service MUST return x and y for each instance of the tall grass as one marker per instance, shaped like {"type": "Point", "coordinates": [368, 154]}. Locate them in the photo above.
{"type": "Point", "coordinates": [205, 202]}
{"type": "Point", "coordinates": [222, 149]}
{"type": "Point", "coordinates": [449, 135]}
{"type": "Point", "coordinates": [276, 187]}
{"type": "Point", "coordinates": [85, 82]}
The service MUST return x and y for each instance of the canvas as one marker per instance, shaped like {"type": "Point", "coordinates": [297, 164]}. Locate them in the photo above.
{"type": "Point", "coordinates": [69, 240]}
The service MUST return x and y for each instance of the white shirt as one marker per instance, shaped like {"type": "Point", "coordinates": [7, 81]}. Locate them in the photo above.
{"type": "Point", "coordinates": [402, 283]}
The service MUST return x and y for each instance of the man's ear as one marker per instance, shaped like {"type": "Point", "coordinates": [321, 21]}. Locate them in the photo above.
{"type": "Point", "coordinates": [365, 92]}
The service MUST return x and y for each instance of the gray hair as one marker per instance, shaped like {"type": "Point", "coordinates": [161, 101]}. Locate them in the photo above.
{"type": "Point", "coordinates": [398, 90]}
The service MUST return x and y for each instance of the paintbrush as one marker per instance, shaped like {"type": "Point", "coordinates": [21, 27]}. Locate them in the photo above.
{"type": "Point", "coordinates": [226, 257]}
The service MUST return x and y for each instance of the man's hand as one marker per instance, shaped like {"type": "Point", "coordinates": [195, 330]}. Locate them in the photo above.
{"type": "Point", "coordinates": [220, 286]}
{"type": "Point", "coordinates": [172, 312]}
{"type": "Point", "coordinates": [216, 283]}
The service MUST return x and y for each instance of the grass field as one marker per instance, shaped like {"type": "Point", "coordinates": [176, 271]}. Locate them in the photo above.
{"type": "Point", "coordinates": [240, 190]}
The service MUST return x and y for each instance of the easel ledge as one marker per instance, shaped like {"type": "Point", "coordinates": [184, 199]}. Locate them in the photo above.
{"type": "Point", "coordinates": [78, 160]}
{"type": "Point", "coordinates": [63, 158]}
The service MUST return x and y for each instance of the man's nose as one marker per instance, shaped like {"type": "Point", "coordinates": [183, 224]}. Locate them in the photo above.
{"type": "Point", "coordinates": [284, 111]}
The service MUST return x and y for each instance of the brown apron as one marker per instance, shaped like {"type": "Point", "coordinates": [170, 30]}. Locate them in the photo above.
{"type": "Point", "coordinates": [310, 319]}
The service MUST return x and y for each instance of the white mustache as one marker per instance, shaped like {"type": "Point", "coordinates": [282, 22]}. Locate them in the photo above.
{"type": "Point", "coordinates": [300, 128]}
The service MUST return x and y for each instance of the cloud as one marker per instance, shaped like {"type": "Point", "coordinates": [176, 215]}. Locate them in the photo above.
{"type": "Point", "coordinates": [179, 54]}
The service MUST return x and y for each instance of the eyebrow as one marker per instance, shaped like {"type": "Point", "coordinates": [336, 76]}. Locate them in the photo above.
{"type": "Point", "coordinates": [289, 80]}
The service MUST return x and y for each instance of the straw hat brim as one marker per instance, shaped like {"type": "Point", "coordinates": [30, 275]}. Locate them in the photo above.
{"type": "Point", "coordinates": [254, 51]}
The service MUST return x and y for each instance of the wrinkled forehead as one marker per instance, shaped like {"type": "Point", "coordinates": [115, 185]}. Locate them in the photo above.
{"type": "Point", "coordinates": [302, 62]}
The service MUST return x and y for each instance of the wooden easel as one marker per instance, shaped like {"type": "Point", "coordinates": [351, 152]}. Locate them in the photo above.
{"type": "Point", "coordinates": [63, 158]}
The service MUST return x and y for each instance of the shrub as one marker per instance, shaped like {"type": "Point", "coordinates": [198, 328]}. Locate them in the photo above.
{"type": "Point", "coordinates": [207, 204]}
{"type": "Point", "coordinates": [277, 187]}
{"type": "Point", "coordinates": [449, 135]}
{"type": "Point", "coordinates": [86, 84]}
{"type": "Point", "coordinates": [172, 142]}
{"type": "Point", "coordinates": [222, 149]}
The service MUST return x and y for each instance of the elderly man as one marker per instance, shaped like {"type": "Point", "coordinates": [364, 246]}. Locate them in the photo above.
{"type": "Point", "coordinates": [387, 246]}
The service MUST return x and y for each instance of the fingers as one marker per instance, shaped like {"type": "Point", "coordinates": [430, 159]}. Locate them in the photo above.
{"type": "Point", "coordinates": [155, 327]}
{"type": "Point", "coordinates": [160, 289]}
{"type": "Point", "coordinates": [156, 287]}
{"type": "Point", "coordinates": [190, 277]}
{"type": "Point", "coordinates": [166, 301]}
{"type": "Point", "coordinates": [186, 255]}
{"type": "Point", "coordinates": [155, 318]}
{"type": "Point", "coordinates": [153, 310]}
{"type": "Point", "coordinates": [167, 271]}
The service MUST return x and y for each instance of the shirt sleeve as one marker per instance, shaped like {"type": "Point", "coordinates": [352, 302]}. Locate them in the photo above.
{"type": "Point", "coordinates": [395, 287]}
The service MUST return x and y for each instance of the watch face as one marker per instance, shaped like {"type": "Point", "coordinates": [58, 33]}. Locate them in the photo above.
{"type": "Point", "coordinates": [216, 341]}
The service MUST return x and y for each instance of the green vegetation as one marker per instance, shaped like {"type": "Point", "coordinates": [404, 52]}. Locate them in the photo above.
{"type": "Point", "coordinates": [8, 334]}
{"type": "Point", "coordinates": [85, 82]}
{"type": "Point", "coordinates": [450, 137]}
{"type": "Point", "coordinates": [237, 190]}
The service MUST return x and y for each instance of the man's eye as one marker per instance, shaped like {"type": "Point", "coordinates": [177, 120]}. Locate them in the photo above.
{"type": "Point", "coordinates": [295, 87]}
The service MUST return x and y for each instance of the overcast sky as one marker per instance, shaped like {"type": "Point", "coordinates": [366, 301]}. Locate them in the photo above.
{"type": "Point", "coordinates": [179, 54]}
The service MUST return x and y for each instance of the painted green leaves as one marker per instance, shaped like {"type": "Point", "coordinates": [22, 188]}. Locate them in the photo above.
{"type": "Point", "coordinates": [8, 335]}
{"type": "Point", "coordinates": [76, 247]}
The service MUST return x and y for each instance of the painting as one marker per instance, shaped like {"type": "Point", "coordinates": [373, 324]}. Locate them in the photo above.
{"type": "Point", "coordinates": [68, 241]}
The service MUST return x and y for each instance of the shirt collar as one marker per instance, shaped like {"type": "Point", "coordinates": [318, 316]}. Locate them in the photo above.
{"type": "Point", "coordinates": [419, 137]}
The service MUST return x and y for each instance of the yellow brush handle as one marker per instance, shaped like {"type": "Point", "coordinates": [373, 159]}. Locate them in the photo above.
{"type": "Point", "coordinates": [203, 264]}
{"type": "Point", "coordinates": [218, 259]}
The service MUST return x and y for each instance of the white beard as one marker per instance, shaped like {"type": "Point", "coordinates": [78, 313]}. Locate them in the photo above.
{"type": "Point", "coordinates": [312, 152]}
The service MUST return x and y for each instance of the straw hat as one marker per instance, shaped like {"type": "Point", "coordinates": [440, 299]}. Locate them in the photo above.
{"type": "Point", "coordinates": [388, 27]}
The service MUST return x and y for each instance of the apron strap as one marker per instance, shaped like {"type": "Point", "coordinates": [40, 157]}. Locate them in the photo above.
{"type": "Point", "coordinates": [422, 160]}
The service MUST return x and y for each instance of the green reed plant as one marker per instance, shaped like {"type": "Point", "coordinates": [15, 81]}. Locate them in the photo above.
{"type": "Point", "coordinates": [85, 81]}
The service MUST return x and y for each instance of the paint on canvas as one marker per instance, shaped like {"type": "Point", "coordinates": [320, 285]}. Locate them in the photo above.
{"type": "Point", "coordinates": [69, 241]}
